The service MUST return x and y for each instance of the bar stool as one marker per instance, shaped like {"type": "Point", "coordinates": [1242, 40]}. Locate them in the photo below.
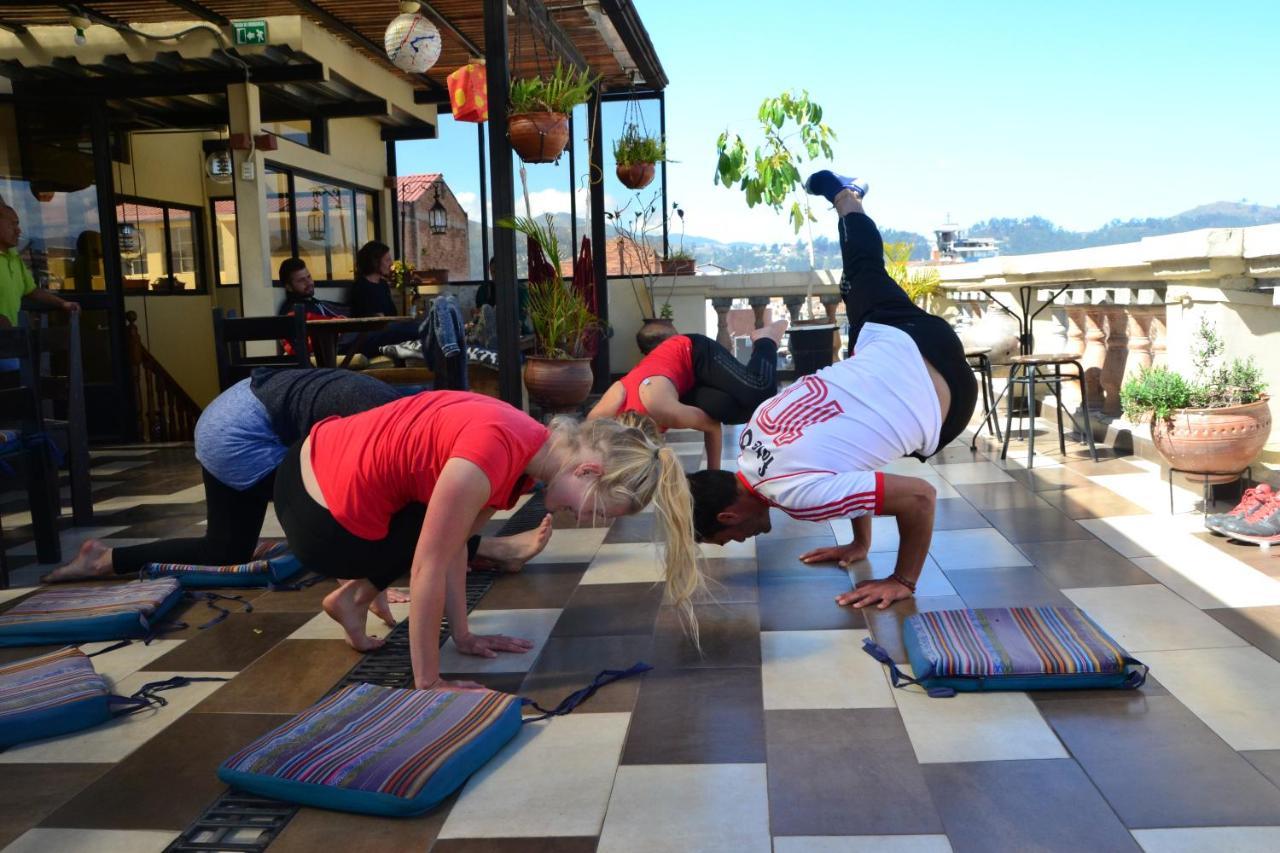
{"type": "Point", "coordinates": [1028, 371]}
{"type": "Point", "coordinates": [979, 359]}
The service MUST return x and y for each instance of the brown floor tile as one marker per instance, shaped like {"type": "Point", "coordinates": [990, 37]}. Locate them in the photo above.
{"type": "Point", "coordinates": [168, 781]}
{"type": "Point", "coordinates": [572, 844]}
{"type": "Point", "coordinates": [12, 654]}
{"type": "Point", "coordinates": [631, 528]}
{"type": "Point", "coordinates": [1020, 586]}
{"type": "Point", "coordinates": [784, 526]}
{"type": "Point", "coordinates": [286, 680]}
{"type": "Point", "coordinates": [197, 613]}
{"type": "Point", "coordinates": [780, 556]}
{"type": "Point", "coordinates": [845, 772]}
{"type": "Point", "coordinates": [886, 625]}
{"type": "Point", "coordinates": [599, 610]}
{"type": "Point", "coordinates": [729, 635]}
{"type": "Point", "coordinates": [1135, 699]}
{"type": "Point", "coordinates": [1035, 525]}
{"type": "Point", "coordinates": [503, 682]}
{"type": "Point", "coordinates": [1083, 563]}
{"type": "Point", "coordinates": [314, 830]}
{"type": "Point", "coordinates": [1091, 502]}
{"type": "Point", "coordinates": [957, 514]}
{"type": "Point", "coordinates": [570, 663]}
{"type": "Point", "coordinates": [29, 792]}
{"type": "Point", "coordinates": [730, 581]}
{"type": "Point", "coordinates": [807, 604]}
{"type": "Point", "coordinates": [542, 585]}
{"type": "Point", "coordinates": [953, 454]}
{"type": "Point", "coordinates": [1079, 819]}
{"type": "Point", "coordinates": [232, 644]}
{"type": "Point", "coordinates": [1259, 625]}
{"type": "Point", "coordinates": [720, 714]}
{"type": "Point", "coordinates": [985, 496]}
{"type": "Point", "coordinates": [1158, 765]}
{"type": "Point", "coordinates": [1048, 479]}
{"type": "Point", "coordinates": [305, 600]}
{"type": "Point", "coordinates": [1267, 761]}
{"type": "Point", "coordinates": [1245, 552]}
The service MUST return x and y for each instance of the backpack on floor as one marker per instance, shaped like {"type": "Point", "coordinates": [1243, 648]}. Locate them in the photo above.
{"type": "Point", "coordinates": [273, 565]}
{"type": "Point", "coordinates": [385, 750]}
{"type": "Point", "coordinates": [89, 613]}
{"type": "Point", "coordinates": [1010, 648]}
{"type": "Point", "coordinates": [60, 692]}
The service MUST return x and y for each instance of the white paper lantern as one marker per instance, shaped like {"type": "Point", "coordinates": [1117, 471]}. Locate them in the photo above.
{"type": "Point", "coordinates": [412, 43]}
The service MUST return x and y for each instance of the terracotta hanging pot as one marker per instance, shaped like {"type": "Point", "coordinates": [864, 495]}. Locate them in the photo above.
{"type": "Point", "coordinates": [538, 137]}
{"type": "Point", "coordinates": [1213, 441]}
{"type": "Point", "coordinates": [654, 331]}
{"type": "Point", "coordinates": [635, 176]}
{"type": "Point", "coordinates": [558, 384]}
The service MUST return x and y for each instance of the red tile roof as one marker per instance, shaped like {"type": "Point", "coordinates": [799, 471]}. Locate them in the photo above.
{"type": "Point", "coordinates": [414, 187]}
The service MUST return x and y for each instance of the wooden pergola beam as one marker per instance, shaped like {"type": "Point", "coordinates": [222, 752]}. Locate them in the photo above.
{"type": "Point", "coordinates": [536, 14]}
{"type": "Point", "coordinates": [200, 11]}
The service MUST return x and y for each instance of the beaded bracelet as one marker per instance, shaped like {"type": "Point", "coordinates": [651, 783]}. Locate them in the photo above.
{"type": "Point", "coordinates": [900, 579]}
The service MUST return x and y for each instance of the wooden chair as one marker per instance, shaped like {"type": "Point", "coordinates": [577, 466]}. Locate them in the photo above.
{"type": "Point", "coordinates": [230, 333]}
{"type": "Point", "coordinates": [60, 372]}
{"type": "Point", "coordinates": [27, 443]}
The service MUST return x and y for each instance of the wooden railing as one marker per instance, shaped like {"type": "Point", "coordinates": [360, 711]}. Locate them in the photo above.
{"type": "Point", "coordinates": [165, 411]}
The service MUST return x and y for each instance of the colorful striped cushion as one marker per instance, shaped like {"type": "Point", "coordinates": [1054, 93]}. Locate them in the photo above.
{"type": "Point", "coordinates": [377, 750]}
{"type": "Point", "coordinates": [49, 695]}
{"type": "Point", "coordinates": [89, 613]}
{"type": "Point", "coordinates": [1012, 648]}
{"type": "Point", "coordinates": [272, 563]}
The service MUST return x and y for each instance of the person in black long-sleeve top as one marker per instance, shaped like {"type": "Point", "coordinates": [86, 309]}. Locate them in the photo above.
{"type": "Point", "coordinates": [371, 297]}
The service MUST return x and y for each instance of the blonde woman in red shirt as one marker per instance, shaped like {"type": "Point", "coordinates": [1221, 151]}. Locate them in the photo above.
{"type": "Point", "coordinates": [403, 487]}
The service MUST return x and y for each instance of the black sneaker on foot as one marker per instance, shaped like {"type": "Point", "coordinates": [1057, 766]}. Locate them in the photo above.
{"type": "Point", "coordinates": [828, 184]}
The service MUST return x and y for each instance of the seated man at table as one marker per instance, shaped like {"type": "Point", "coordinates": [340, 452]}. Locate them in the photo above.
{"type": "Point", "coordinates": [815, 450]}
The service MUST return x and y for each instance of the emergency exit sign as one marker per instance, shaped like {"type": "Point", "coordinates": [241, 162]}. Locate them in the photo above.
{"type": "Point", "coordinates": [250, 32]}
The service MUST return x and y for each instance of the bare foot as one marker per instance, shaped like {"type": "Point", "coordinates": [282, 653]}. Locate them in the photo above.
{"type": "Point", "coordinates": [510, 553]}
{"type": "Point", "coordinates": [397, 594]}
{"type": "Point", "coordinates": [773, 331]}
{"type": "Point", "coordinates": [347, 605]}
{"type": "Point", "coordinates": [379, 607]}
{"type": "Point", "coordinates": [93, 561]}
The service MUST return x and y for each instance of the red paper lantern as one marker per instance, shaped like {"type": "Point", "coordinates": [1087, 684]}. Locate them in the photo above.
{"type": "Point", "coordinates": [469, 93]}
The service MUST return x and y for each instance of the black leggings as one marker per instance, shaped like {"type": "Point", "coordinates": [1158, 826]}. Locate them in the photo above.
{"type": "Point", "coordinates": [235, 520]}
{"type": "Point", "coordinates": [325, 546]}
{"type": "Point", "coordinates": [872, 296]}
{"type": "Point", "coordinates": [724, 387]}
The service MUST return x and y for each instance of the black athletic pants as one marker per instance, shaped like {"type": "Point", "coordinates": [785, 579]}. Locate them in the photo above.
{"type": "Point", "coordinates": [872, 296]}
{"type": "Point", "coordinates": [724, 387]}
{"type": "Point", "coordinates": [325, 546]}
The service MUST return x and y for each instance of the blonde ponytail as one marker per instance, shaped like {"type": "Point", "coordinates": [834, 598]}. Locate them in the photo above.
{"type": "Point", "coordinates": [673, 508]}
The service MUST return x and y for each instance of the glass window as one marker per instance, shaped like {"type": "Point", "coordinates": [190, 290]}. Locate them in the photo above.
{"type": "Point", "coordinates": [297, 130]}
{"type": "Point", "coordinates": [159, 247]}
{"type": "Point", "coordinates": [226, 250]}
{"type": "Point", "coordinates": [183, 262]}
{"type": "Point", "coordinates": [325, 221]}
{"type": "Point", "coordinates": [279, 222]}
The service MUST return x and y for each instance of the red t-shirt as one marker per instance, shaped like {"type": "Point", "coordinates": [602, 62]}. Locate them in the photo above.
{"type": "Point", "coordinates": [371, 465]}
{"type": "Point", "coordinates": [673, 358]}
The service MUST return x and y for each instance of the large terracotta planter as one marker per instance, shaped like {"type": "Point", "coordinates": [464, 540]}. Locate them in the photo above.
{"type": "Point", "coordinates": [635, 176]}
{"type": "Point", "coordinates": [558, 384]}
{"type": "Point", "coordinates": [679, 266]}
{"type": "Point", "coordinates": [654, 331]}
{"type": "Point", "coordinates": [538, 137]}
{"type": "Point", "coordinates": [1213, 441]}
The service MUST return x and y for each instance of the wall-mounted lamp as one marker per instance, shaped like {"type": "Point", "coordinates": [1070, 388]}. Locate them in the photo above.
{"type": "Point", "coordinates": [437, 216]}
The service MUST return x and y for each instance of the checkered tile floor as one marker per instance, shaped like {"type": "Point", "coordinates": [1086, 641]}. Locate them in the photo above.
{"type": "Point", "coordinates": [782, 735]}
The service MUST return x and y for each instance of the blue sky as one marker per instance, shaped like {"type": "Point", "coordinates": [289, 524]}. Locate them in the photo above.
{"type": "Point", "coordinates": [1080, 112]}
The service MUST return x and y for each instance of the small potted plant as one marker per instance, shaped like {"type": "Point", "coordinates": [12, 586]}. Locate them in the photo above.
{"type": "Point", "coordinates": [538, 112]}
{"type": "Point", "coordinates": [558, 374]}
{"type": "Point", "coordinates": [681, 261]}
{"type": "Point", "coordinates": [1212, 425]}
{"type": "Point", "coordinates": [636, 230]}
{"type": "Point", "coordinates": [636, 157]}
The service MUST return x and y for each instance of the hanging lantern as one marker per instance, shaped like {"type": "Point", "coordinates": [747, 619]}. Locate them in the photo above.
{"type": "Point", "coordinates": [315, 219]}
{"type": "Point", "coordinates": [437, 216]}
{"type": "Point", "coordinates": [130, 239]}
{"type": "Point", "coordinates": [412, 43]}
{"type": "Point", "coordinates": [469, 93]}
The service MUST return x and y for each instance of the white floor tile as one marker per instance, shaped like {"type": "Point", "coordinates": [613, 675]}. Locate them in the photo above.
{"type": "Point", "coordinates": [534, 625]}
{"type": "Point", "coordinates": [1220, 839]}
{"type": "Point", "coordinates": [553, 779]}
{"type": "Point", "coordinates": [966, 473]}
{"type": "Point", "coordinates": [114, 740]}
{"type": "Point", "coordinates": [503, 514]}
{"type": "Point", "coordinates": [108, 468]}
{"type": "Point", "coordinates": [625, 563]}
{"type": "Point", "coordinates": [322, 627]}
{"type": "Point", "coordinates": [110, 452]}
{"type": "Point", "coordinates": [1148, 617]}
{"type": "Point", "coordinates": [880, 564]}
{"type": "Point", "coordinates": [121, 663]}
{"type": "Point", "coordinates": [14, 592]}
{"type": "Point", "coordinates": [1151, 491]}
{"type": "Point", "coordinates": [1213, 579]}
{"type": "Point", "coordinates": [577, 545]}
{"type": "Point", "coordinates": [703, 807]}
{"type": "Point", "coordinates": [732, 550]}
{"type": "Point", "coordinates": [820, 669]}
{"type": "Point", "coordinates": [994, 726]}
{"type": "Point", "coordinates": [862, 844]}
{"type": "Point", "coordinates": [1149, 535]}
{"type": "Point", "coordinates": [1235, 691]}
{"type": "Point", "coordinates": [91, 841]}
{"type": "Point", "coordinates": [982, 548]}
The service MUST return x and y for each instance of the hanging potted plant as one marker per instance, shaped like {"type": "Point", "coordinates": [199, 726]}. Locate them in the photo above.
{"type": "Point", "coordinates": [637, 258]}
{"type": "Point", "coordinates": [538, 112]}
{"type": "Point", "coordinates": [1213, 424]}
{"type": "Point", "coordinates": [636, 156]}
{"type": "Point", "coordinates": [558, 374]}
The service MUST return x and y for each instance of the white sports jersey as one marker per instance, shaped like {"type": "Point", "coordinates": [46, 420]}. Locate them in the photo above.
{"type": "Point", "coordinates": [813, 451]}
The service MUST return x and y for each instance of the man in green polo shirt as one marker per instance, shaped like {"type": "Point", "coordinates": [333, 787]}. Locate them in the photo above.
{"type": "Point", "coordinates": [16, 281]}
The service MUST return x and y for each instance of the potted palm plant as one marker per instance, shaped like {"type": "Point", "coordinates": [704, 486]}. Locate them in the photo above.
{"type": "Point", "coordinates": [538, 112]}
{"type": "Point", "coordinates": [558, 374]}
{"type": "Point", "coordinates": [1212, 425]}
{"type": "Point", "coordinates": [636, 156]}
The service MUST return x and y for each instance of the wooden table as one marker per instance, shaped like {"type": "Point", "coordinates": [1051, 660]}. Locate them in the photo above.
{"type": "Point", "coordinates": [324, 336]}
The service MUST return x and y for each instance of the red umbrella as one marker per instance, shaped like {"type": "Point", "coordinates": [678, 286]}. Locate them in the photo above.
{"type": "Point", "coordinates": [584, 281]}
